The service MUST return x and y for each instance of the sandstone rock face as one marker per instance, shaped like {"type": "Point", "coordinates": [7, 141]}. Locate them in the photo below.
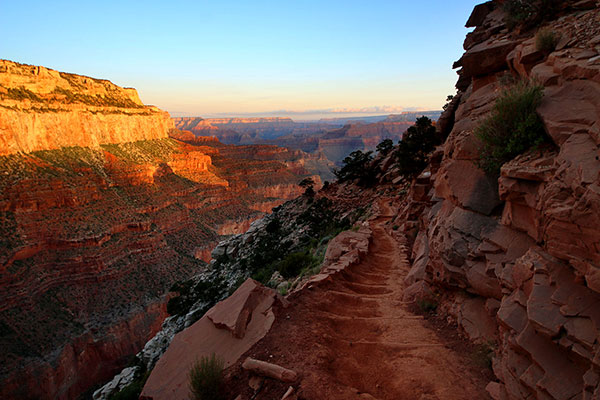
{"type": "Point", "coordinates": [525, 247]}
{"type": "Point", "coordinates": [228, 330]}
{"type": "Point", "coordinates": [42, 109]}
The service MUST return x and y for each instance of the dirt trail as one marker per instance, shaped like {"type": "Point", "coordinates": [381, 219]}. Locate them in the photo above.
{"type": "Point", "coordinates": [356, 339]}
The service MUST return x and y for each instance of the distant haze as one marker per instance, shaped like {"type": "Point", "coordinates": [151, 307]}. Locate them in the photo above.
{"type": "Point", "coordinates": [312, 115]}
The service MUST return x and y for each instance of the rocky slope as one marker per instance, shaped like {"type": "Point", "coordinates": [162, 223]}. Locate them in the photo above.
{"type": "Point", "coordinates": [339, 143]}
{"type": "Point", "coordinates": [93, 236]}
{"type": "Point", "coordinates": [282, 250]}
{"type": "Point", "coordinates": [43, 109]}
{"type": "Point", "coordinates": [297, 161]}
{"type": "Point", "coordinates": [516, 259]}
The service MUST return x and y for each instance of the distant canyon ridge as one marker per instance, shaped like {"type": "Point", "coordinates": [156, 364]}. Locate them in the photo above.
{"type": "Point", "coordinates": [332, 138]}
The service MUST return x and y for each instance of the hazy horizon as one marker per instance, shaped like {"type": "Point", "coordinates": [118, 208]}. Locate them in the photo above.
{"type": "Point", "coordinates": [304, 60]}
{"type": "Point", "coordinates": [304, 116]}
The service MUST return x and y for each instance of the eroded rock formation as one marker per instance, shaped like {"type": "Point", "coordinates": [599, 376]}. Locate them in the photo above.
{"type": "Point", "coordinates": [327, 140]}
{"type": "Point", "coordinates": [517, 257]}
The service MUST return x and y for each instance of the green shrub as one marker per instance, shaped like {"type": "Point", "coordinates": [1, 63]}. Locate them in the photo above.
{"type": "Point", "coordinates": [206, 379]}
{"type": "Point", "coordinates": [413, 150]}
{"type": "Point", "coordinates": [294, 263]}
{"type": "Point", "coordinates": [130, 392]}
{"type": "Point", "coordinates": [22, 93]}
{"type": "Point", "coordinates": [512, 127]}
{"type": "Point", "coordinates": [385, 146]}
{"type": "Point", "coordinates": [308, 185]}
{"type": "Point", "coordinates": [357, 166]}
{"type": "Point", "coordinates": [529, 12]}
{"type": "Point", "coordinates": [546, 40]}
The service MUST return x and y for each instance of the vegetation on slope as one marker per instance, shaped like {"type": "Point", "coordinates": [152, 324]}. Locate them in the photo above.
{"type": "Point", "coordinates": [512, 127]}
{"type": "Point", "coordinates": [206, 378]}
{"type": "Point", "coordinates": [413, 150]}
{"type": "Point", "coordinates": [291, 244]}
{"type": "Point", "coordinates": [529, 13]}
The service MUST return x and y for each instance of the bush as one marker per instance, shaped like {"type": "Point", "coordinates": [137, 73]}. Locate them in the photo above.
{"type": "Point", "coordinates": [546, 40]}
{"type": "Point", "coordinates": [427, 306]}
{"type": "Point", "coordinates": [357, 166]}
{"type": "Point", "coordinates": [449, 99]}
{"type": "Point", "coordinates": [512, 127]}
{"type": "Point", "coordinates": [206, 379]}
{"type": "Point", "coordinates": [294, 263]}
{"type": "Point", "coordinates": [414, 148]}
{"type": "Point", "coordinates": [308, 185]}
{"type": "Point", "coordinates": [529, 12]}
{"type": "Point", "coordinates": [385, 146]}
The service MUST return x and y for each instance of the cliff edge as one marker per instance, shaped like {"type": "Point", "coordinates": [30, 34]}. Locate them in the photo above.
{"type": "Point", "coordinates": [43, 109]}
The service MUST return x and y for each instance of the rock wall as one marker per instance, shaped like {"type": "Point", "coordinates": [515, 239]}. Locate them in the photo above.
{"type": "Point", "coordinates": [42, 109]}
{"type": "Point", "coordinates": [517, 258]}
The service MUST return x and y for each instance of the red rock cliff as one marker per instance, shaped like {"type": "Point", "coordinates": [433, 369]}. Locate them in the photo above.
{"type": "Point", "coordinates": [516, 259]}
{"type": "Point", "coordinates": [42, 109]}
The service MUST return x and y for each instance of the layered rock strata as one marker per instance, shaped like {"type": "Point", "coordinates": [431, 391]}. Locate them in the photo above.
{"type": "Point", "coordinates": [43, 109]}
{"type": "Point", "coordinates": [99, 217]}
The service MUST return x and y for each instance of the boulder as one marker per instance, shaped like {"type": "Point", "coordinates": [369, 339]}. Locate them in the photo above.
{"type": "Point", "coordinates": [570, 108]}
{"type": "Point", "coordinates": [417, 291]}
{"type": "Point", "coordinates": [467, 186]}
{"type": "Point", "coordinates": [479, 326]}
{"type": "Point", "coordinates": [479, 13]}
{"type": "Point", "coordinates": [234, 313]}
{"type": "Point", "coordinates": [246, 313]}
{"type": "Point", "coordinates": [487, 57]}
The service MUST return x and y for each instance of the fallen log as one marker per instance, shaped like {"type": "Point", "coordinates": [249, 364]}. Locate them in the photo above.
{"type": "Point", "coordinates": [269, 370]}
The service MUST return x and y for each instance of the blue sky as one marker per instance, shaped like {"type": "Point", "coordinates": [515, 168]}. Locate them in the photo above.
{"type": "Point", "coordinates": [298, 58]}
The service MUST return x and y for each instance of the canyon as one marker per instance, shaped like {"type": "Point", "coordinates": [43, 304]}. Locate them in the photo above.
{"type": "Point", "coordinates": [103, 207]}
{"type": "Point", "coordinates": [332, 139]}
{"type": "Point", "coordinates": [445, 283]}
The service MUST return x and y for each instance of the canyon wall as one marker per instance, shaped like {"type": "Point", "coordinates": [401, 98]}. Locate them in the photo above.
{"type": "Point", "coordinates": [42, 109]}
{"type": "Point", "coordinates": [516, 259]}
{"type": "Point", "coordinates": [99, 217]}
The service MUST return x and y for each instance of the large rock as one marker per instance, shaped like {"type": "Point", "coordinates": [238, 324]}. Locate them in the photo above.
{"type": "Point", "coordinates": [487, 58]}
{"type": "Point", "coordinates": [467, 186]}
{"type": "Point", "coordinates": [228, 330]}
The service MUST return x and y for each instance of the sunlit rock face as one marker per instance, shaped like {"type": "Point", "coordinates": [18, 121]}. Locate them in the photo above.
{"type": "Point", "coordinates": [43, 109]}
